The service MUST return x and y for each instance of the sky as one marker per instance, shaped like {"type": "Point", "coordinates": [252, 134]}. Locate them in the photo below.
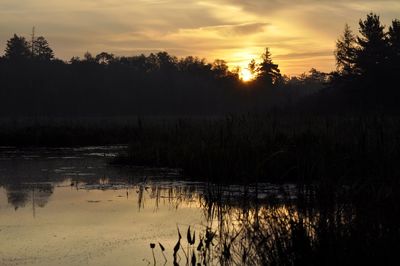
{"type": "Point", "coordinates": [301, 34]}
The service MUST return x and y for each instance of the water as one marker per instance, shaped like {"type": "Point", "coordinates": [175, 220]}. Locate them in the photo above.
{"type": "Point", "coordinates": [69, 207]}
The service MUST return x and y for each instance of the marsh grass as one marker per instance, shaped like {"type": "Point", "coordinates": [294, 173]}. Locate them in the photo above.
{"type": "Point", "coordinates": [276, 148]}
{"type": "Point", "coordinates": [343, 210]}
{"type": "Point", "coordinates": [288, 229]}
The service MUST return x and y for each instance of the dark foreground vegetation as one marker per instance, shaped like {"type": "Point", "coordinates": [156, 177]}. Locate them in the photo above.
{"type": "Point", "coordinates": [323, 225]}
{"type": "Point", "coordinates": [270, 147]}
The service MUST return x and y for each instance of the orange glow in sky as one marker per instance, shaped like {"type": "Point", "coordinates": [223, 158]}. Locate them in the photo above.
{"type": "Point", "coordinates": [300, 34]}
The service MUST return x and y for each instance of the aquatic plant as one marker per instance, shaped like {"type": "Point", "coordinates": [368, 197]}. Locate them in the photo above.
{"type": "Point", "coordinates": [274, 148]}
{"type": "Point", "coordinates": [309, 227]}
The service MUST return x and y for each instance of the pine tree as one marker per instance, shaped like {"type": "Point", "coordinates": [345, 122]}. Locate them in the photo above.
{"type": "Point", "coordinates": [394, 40]}
{"type": "Point", "coordinates": [346, 52]}
{"type": "Point", "coordinates": [41, 49]}
{"type": "Point", "coordinates": [268, 71]}
{"type": "Point", "coordinates": [372, 52]}
{"type": "Point", "coordinates": [17, 49]}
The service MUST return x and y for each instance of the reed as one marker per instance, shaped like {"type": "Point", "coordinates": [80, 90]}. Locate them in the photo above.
{"type": "Point", "coordinates": [275, 148]}
{"type": "Point", "coordinates": [304, 228]}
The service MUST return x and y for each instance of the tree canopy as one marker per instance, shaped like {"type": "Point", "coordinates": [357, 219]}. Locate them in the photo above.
{"type": "Point", "coordinates": [41, 49]}
{"type": "Point", "coordinates": [268, 71]}
{"type": "Point", "coordinates": [368, 65]}
{"type": "Point", "coordinates": [17, 49]}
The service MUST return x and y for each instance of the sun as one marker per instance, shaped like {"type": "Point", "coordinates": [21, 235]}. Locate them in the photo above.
{"type": "Point", "coordinates": [246, 75]}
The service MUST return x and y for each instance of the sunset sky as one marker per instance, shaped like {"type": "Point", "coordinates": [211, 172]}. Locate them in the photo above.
{"type": "Point", "coordinates": [301, 34]}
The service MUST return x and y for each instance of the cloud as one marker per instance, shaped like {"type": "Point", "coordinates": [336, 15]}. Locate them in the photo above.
{"type": "Point", "coordinates": [260, 7]}
{"type": "Point", "coordinates": [238, 29]}
{"type": "Point", "coordinates": [296, 56]}
{"type": "Point", "coordinates": [301, 34]}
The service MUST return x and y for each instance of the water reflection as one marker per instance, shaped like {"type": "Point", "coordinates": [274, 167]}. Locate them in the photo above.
{"type": "Point", "coordinates": [37, 194]}
{"type": "Point", "coordinates": [67, 206]}
{"type": "Point", "coordinates": [94, 226]}
{"type": "Point", "coordinates": [70, 207]}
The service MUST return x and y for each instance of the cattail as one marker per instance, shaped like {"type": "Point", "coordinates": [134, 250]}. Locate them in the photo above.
{"type": "Point", "coordinates": [162, 251]}
{"type": "Point", "coordinates": [189, 237]}
{"type": "Point", "coordinates": [193, 259]}
{"type": "Point", "coordinates": [200, 246]}
{"type": "Point", "coordinates": [152, 246]}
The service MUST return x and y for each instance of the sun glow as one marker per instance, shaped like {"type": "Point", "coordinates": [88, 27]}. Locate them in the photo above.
{"type": "Point", "coordinates": [246, 75]}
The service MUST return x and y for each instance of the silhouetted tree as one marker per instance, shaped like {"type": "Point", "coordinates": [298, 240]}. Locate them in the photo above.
{"type": "Point", "coordinates": [152, 84]}
{"type": "Point", "coordinates": [298, 87]}
{"type": "Point", "coordinates": [346, 52]}
{"type": "Point", "coordinates": [372, 51]}
{"type": "Point", "coordinates": [74, 60]}
{"type": "Point", "coordinates": [166, 62]}
{"type": "Point", "coordinates": [104, 58]}
{"type": "Point", "coordinates": [193, 65]}
{"type": "Point", "coordinates": [253, 68]}
{"type": "Point", "coordinates": [368, 65]}
{"type": "Point", "coordinates": [316, 76]}
{"type": "Point", "coordinates": [220, 68]}
{"type": "Point", "coordinates": [17, 49]}
{"type": "Point", "coordinates": [41, 49]}
{"type": "Point", "coordinates": [268, 72]}
{"type": "Point", "coordinates": [88, 57]}
{"type": "Point", "coordinates": [394, 41]}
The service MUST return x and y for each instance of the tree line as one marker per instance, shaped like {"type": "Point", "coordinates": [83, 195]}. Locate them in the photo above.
{"type": "Point", "coordinates": [34, 82]}
{"type": "Point", "coordinates": [368, 64]}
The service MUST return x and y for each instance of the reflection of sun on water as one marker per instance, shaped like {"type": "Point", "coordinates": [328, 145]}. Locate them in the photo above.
{"type": "Point", "coordinates": [246, 75]}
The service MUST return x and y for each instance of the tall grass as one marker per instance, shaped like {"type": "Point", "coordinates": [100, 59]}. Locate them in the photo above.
{"type": "Point", "coordinates": [346, 170]}
{"type": "Point", "coordinates": [302, 230]}
{"type": "Point", "coordinates": [273, 148]}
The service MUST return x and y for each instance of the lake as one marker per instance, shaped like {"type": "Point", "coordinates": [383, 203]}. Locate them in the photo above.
{"type": "Point", "coordinates": [69, 207]}
{"type": "Point", "coordinates": [72, 207]}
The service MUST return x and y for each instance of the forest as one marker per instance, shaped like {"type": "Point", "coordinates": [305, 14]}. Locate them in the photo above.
{"type": "Point", "coordinates": [156, 84]}
{"type": "Point", "coordinates": [36, 83]}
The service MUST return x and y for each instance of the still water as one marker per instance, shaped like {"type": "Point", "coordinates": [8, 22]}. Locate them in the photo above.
{"type": "Point", "coordinates": [70, 207]}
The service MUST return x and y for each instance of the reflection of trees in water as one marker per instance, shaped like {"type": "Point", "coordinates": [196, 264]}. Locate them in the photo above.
{"type": "Point", "coordinates": [166, 190]}
{"type": "Point", "coordinates": [168, 193]}
{"type": "Point", "coordinates": [304, 227]}
{"type": "Point", "coordinates": [42, 194]}
{"type": "Point", "coordinates": [284, 226]}
{"type": "Point", "coordinates": [33, 180]}
{"type": "Point", "coordinates": [19, 195]}
{"type": "Point", "coordinates": [244, 225]}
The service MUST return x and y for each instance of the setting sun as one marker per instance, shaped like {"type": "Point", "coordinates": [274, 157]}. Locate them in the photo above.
{"type": "Point", "coordinates": [246, 75]}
